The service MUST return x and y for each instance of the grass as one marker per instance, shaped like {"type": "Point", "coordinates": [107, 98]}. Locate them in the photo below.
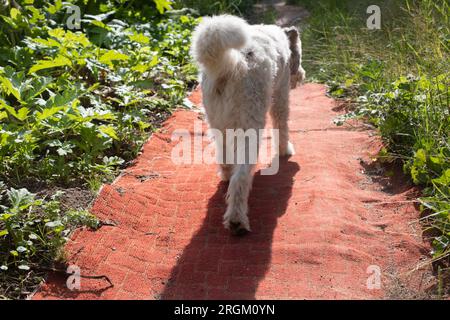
{"type": "Point", "coordinates": [207, 7]}
{"type": "Point", "coordinates": [398, 79]}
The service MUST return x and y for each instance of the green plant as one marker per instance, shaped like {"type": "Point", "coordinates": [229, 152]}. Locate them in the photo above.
{"type": "Point", "coordinates": [32, 232]}
{"type": "Point", "coordinates": [205, 7]}
{"type": "Point", "coordinates": [77, 102]}
{"type": "Point", "coordinates": [398, 79]}
{"type": "Point", "coordinates": [75, 107]}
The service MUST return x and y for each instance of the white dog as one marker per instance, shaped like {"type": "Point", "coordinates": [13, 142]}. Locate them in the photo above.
{"type": "Point", "coordinates": [246, 70]}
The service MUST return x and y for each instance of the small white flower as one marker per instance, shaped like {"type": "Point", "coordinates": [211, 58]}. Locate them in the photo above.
{"type": "Point", "coordinates": [362, 99]}
{"type": "Point", "coordinates": [21, 249]}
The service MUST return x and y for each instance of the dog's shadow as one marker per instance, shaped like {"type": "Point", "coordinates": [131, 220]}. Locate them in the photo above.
{"type": "Point", "coordinates": [218, 265]}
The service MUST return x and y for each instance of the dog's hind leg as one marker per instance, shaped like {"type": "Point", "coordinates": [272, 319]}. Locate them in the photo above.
{"type": "Point", "coordinates": [279, 112]}
{"type": "Point", "coordinates": [235, 217]}
{"type": "Point", "coordinates": [245, 159]}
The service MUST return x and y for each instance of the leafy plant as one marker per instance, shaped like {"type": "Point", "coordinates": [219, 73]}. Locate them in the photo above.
{"type": "Point", "coordinates": [76, 106]}
{"type": "Point", "coordinates": [398, 79]}
{"type": "Point", "coordinates": [32, 231]}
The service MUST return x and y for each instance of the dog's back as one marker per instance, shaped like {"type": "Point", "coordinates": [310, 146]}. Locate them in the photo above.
{"type": "Point", "coordinates": [238, 60]}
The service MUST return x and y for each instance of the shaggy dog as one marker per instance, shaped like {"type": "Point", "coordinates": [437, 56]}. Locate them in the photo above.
{"type": "Point", "coordinates": [245, 71]}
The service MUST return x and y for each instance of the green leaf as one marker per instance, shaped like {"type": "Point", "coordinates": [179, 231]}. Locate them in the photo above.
{"type": "Point", "coordinates": [444, 179]}
{"type": "Point", "coordinates": [46, 64]}
{"type": "Point", "coordinates": [112, 55]}
{"type": "Point", "coordinates": [109, 131]}
{"type": "Point", "coordinates": [65, 149]}
{"type": "Point", "coordinates": [57, 33]}
{"type": "Point", "coordinates": [74, 40]}
{"type": "Point", "coordinates": [6, 216]}
{"type": "Point", "coordinates": [67, 97]}
{"type": "Point", "coordinates": [14, 13]}
{"type": "Point", "coordinates": [154, 61]}
{"type": "Point", "coordinates": [162, 5]}
{"type": "Point", "coordinates": [139, 37]}
{"type": "Point", "coordinates": [20, 198]}
{"type": "Point", "coordinates": [34, 87]}
{"type": "Point", "coordinates": [421, 157]}
{"type": "Point", "coordinates": [100, 24]}
{"type": "Point", "coordinates": [3, 232]}
{"type": "Point", "coordinates": [348, 82]}
{"type": "Point", "coordinates": [47, 112]}
{"type": "Point", "coordinates": [7, 107]}
{"type": "Point", "coordinates": [22, 114]}
{"type": "Point", "coordinates": [184, 19]}
{"type": "Point", "coordinates": [9, 21]}
{"type": "Point", "coordinates": [144, 67]}
{"type": "Point", "coordinates": [9, 87]}
{"type": "Point", "coordinates": [55, 8]}
{"type": "Point", "coordinates": [36, 14]}
{"type": "Point", "coordinates": [38, 43]}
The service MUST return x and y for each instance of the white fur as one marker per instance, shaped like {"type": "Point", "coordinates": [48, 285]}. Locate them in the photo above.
{"type": "Point", "coordinates": [245, 72]}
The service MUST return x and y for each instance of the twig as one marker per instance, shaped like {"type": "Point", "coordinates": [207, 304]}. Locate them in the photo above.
{"type": "Point", "coordinates": [392, 202]}
{"type": "Point", "coordinates": [110, 223]}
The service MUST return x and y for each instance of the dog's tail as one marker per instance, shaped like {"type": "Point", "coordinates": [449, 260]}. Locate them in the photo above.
{"type": "Point", "coordinates": [215, 37]}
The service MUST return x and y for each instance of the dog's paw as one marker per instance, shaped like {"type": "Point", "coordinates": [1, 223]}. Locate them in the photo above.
{"type": "Point", "coordinates": [238, 227]}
